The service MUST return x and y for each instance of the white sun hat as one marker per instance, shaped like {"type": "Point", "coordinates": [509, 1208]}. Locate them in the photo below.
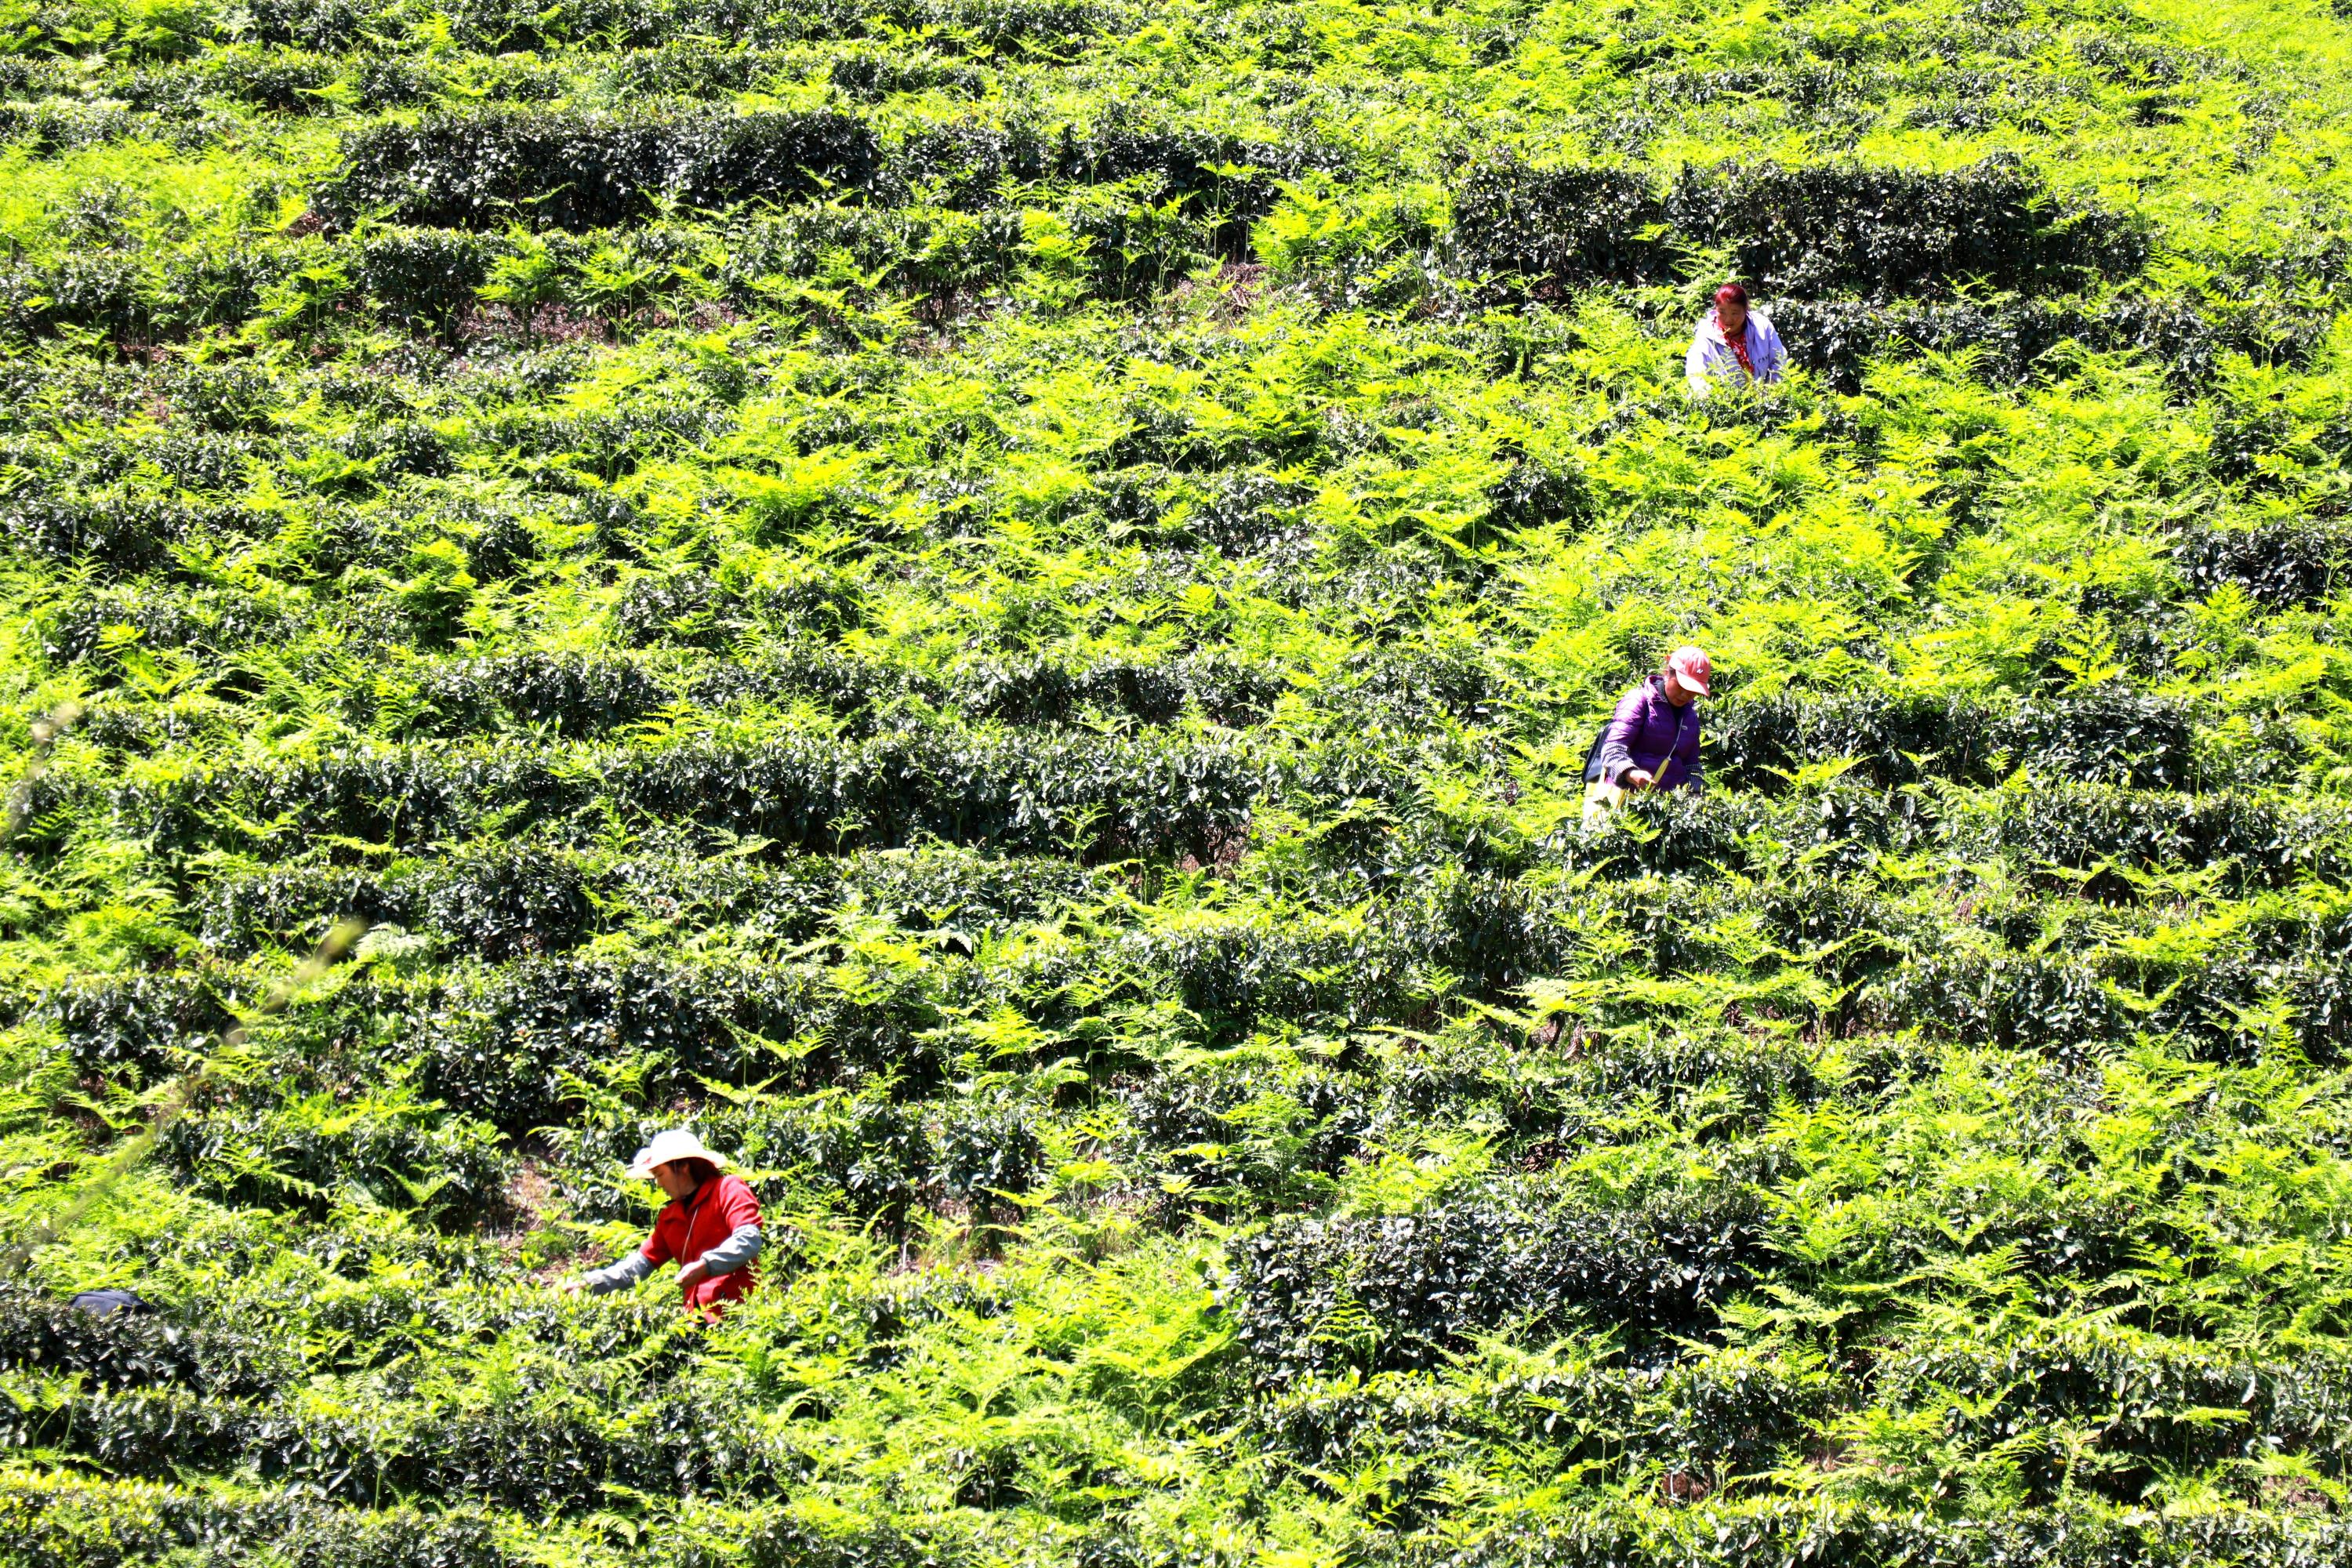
{"type": "Point", "coordinates": [678, 1143]}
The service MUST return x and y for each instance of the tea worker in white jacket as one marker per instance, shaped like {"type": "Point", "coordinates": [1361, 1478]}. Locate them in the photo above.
{"type": "Point", "coordinates": [1733, 345]}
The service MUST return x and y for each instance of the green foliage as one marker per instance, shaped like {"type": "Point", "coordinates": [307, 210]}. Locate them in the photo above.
{"type": "Point", "coordinates": [1000, 604]}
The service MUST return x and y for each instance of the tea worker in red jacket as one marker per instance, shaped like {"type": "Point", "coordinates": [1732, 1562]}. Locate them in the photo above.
{"type": "Point", "coordinates": [1651, 741]}
{"type": "Point", "coordinates": [710, 1227]}
{"type": "Point", "coordinates": [1733, 345]}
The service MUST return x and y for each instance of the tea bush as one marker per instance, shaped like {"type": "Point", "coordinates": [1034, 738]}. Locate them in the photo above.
{"type": "Point", "coordinates": [131, 1350]}
{"type": "Point", "coordinates": [1771, 1533]}
{"type": "Point", "coordinates": [1411, 1287]}
{"type": "Point", "coordinates": [105, 1524]}
{"type": "Point", "coordinates": [2013, 341]}
{"type": "Point", "coordinates": [2112, 736]}
{"type": "Point", "coordinates": [1105, 795]}
{"type": "Point", "coordinates": [528, 900]}
{"type": "Point", "coordinates": [999, 606]}
{"type": "Point", "coordinates": [567, 172]}
{"type": "Point", "coordinates": [1795, 231]}
{"type": "Point", "coordinates": [140, 1027]}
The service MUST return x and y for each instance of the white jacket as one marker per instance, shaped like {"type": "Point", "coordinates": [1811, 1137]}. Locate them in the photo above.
{"type": "Point", "coordinates": [1711, 359]}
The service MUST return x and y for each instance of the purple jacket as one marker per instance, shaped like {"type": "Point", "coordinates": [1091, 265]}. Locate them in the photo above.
{"type": "Point", "coordinates": [1652, 734]}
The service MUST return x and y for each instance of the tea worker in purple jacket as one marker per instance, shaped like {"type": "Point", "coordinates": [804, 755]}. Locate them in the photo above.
{"type": "Point", "coordinates": [1735, 345]}
{"type": "Point", "coordinates": [1651, 741]}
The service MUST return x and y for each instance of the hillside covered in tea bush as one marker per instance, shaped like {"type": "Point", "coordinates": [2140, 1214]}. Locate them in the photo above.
{"type": "Point", "coordinates": [998, 605]}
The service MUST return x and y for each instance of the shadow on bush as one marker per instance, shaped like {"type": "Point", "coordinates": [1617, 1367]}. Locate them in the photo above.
{"type": "Point", "coordinates": [1826, 229]}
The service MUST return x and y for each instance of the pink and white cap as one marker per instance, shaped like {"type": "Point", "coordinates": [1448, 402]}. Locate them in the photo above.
{"type": "Point", "coordinates": [1691, 666]}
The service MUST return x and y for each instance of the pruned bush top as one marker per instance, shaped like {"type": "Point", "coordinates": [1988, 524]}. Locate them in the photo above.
{"type": "Point", "coordinates": [999, 606]}
{"type": "Point", "coordinates": [1822, 229]}
{"type": "Point", "coordinates": [488, 168]}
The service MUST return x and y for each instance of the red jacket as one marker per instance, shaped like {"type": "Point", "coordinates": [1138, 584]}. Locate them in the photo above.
{"type": "Point", "coordinates": [687, 1227]}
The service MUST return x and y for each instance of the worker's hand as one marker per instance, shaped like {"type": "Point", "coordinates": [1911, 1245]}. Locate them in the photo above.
{"type": "Point", "coordinates": [692, 1274]}
{"type": "Point", "coordinates": [572, 1287]}
{"type": "Point", "coordinates": [1634, 778]}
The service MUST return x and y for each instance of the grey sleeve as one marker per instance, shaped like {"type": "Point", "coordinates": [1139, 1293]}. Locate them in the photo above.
{"type": "Point", "coordinates": [735, 1251]}
{"type": "Point", "coordinates": [619, 1275]}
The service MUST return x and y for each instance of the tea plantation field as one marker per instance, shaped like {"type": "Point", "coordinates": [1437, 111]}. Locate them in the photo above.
{"type": "Point", "coordinates": [998, 605]}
